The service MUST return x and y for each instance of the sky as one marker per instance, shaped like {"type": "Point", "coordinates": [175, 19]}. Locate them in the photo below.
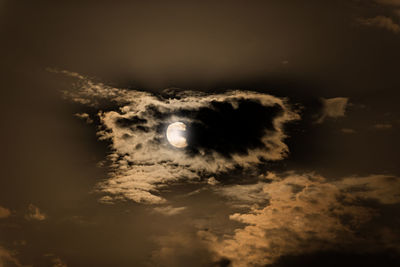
{"type": "Point", "coordinates": [290, 138]}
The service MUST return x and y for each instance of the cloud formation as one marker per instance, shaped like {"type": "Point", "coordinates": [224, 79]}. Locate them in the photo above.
{"type": "Point", "coordinates": [348, 131]}
{"type": "Point", "coordinates": [177, 249]}
{"type": "Point", "coordinates": [224, 131]}
{"type": "Point", "coordinates": [388, 21]}
{"type": "Point", "coordinates": [4, 213]}
{"type": "Point", "coordinates": [383, 126]}
{"type": "Point", "coordinates": [55, 261]}
{"type": "Point", "coordinates": [380, 21]}
{"type": "Point", "coordinates": [306, 213]}
{"type": "Point", "coordinates": [85, 117]}
{"type": "Point", "coordinates": [389, 2]}
{"type": "Point", "coordinates": [8, 258]}
{"type": "Point", "coordinates": [333, 108]}
{"type": "Point", "coordinates": [169, 210]}
{"type": "Point", "coordinates": [34, 213]}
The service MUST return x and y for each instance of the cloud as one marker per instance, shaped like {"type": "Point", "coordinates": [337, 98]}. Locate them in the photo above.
{"type": "Point", "coordinates": [8, 258]}
{"type": "Point", "coordinates": [342, 258]}
{"type": "Point", "coordinates": [383, 22]}
{"type": "Point", "coordinates": [34, 213]}
{"type": "Point", "coordinates": [169, 210]}
{"type": "Point", "coordinates": [181, 250]}
{"type": "Point", "coordinates": [19, 243]}
{"type": "Point", "coordinates": [212, 181]}
{"type": "Point", "coordinates": [306, 213]}
{"type": "Point", "coordinates": [85, 117]}
{"type": "Point", "coordinates": [4, 213]}
{"type": "Point", "coordinates": [389, 2]}
{"type": "Point", "coordinates": [348, 131]}
{"type": "Point", "coordinates": [55, 261]}
{"type": "Point", "coordinates": [383, 126]}
{"type": "Point", "coordinates": [224, 131]}
{"type": "Point", "coordinates": [387, 21]}
{"type": "Point", "coordinates": [245, 196]}
{"type": "Point", "coordinates": [333, 108]}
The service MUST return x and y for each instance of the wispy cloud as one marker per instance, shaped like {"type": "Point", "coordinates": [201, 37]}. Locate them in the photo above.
{"type": "Point", "coordinates": [307, 213]}
{"type": "Point", "coordinates": [55, 261]}
{"type": "Point", "coordinates": [85, 117]}
{"type": "Point", "coordinates": [8, 258]}
{"type": "Point", "coordinates": [389, 2]}
{"type": "Point", "coordinates": [389, 20]}
{"type": "Point", "coordinates": [169, 210]}
{"type": "Point", "coordinates": [380, 21]}
{"type": "Point", "coordinates": [180, 249]}
{"type": "Point", "coordinates": [34, 213]}
{"type": "Point", "coordinates": [236, 128]}
{"type": "Point", "coordinates": [333, 108]}
{"type": "Point", "coordinates": [348, 131]}
{"type": "Point", "coordinates": [4, 213]}
{"type": "Point", "coordinates": [383, 126]}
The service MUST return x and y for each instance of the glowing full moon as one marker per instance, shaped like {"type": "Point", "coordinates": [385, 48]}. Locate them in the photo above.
{"type": "Point", "coordinates": [175, 134]}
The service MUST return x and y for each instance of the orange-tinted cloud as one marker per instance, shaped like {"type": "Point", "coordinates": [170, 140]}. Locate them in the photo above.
{"type": "Point", "coordinates": [85, 117]}
{"type": "Point", "coordinates": [389, 2]}
{"type": "Point", "coordinates": [307, 213]}
{"type": "Point", "coordinates": [380, 21]}
{"type": "Point", "coordinates": [169, 210]}
{"type": "Point", "coordinates": [4, 213]}
{"type": "Point", "coordinates": [8, 258]}
{"type": "Point", "coordinates": [143, 161]}
{"type": "Point", "coordinates": [383, 126]}
{"type": "Point", "coordinates": [34, 213]}
{"type": "Point", "coordinates": [333, 108]}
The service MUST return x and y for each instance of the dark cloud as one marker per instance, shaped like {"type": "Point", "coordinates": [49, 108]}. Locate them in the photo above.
{"type": "Point", "coordinates": [229, 130]}
{"type": "Point", "coordinates": [333, 108]}
{"type": "Point", "coordinates": [169, 210]}
{"type": "Point", "coordinates": [181, 249]}
{"type": "Point", "coordinates": [4, 212]}
{"type": "Point", "coordinates": [383, 22]}
{"type": "Point", "coordinates": [128, 122]}
{"type": "Point", "coordinates": [34, 213]}
{"type": "Point", "coordinates": [300, 214]}
{"type": "Point", "coordinates": [224, 131]}
{"type": "Point", "coordinates": [383, 126]}
{"type": "Point", "coordinates": [281, 48]}
{"type": "Point", "coordinates": [389, 2]}
{"type": "Point", "coordinates": [348, 131]}
{"type": "Point", "coordinates": [55, 261]}
{"type": "Point", "coordinates": [84, 116]}
{"type": "Point", "coordinates": [388, 20]}
{"type": "Point", "coordinates": [8, 258]}
{"type": "Point", "coordinates": [336, 258]}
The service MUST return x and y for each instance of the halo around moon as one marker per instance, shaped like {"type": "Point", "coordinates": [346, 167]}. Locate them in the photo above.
{"type": "Point", "coordinates": [175, 134]}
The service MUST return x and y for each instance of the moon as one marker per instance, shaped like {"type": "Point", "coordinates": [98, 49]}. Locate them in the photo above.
{"type": "Point", "coordinates": [175, 134]}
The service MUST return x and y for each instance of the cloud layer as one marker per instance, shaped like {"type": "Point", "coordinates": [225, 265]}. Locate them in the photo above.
{"type": "Point", "coordinates": [8, 258]}
{"type": "Point", "coordinates": [307, 213]}
{"type": "Point", "coordinates": [383, 22]}
{"type": "Point", "coordinates": [224, 131]}
{"type": "Point", "coordinates": [333, 108]}
{"type": "Point", "coordinates": [389, 21]}
{"type": "Point", "coordinates": [4, 212]}
{"type": "Point", "coordinates": [34, 213]}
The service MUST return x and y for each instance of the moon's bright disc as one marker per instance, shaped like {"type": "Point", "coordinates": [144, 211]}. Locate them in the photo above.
{"type": "Point", "coordinates": [175, 134]}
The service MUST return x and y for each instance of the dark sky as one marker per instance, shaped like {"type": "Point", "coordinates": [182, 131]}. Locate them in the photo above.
{"type": "Point", "coordinates": [292, 122]}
